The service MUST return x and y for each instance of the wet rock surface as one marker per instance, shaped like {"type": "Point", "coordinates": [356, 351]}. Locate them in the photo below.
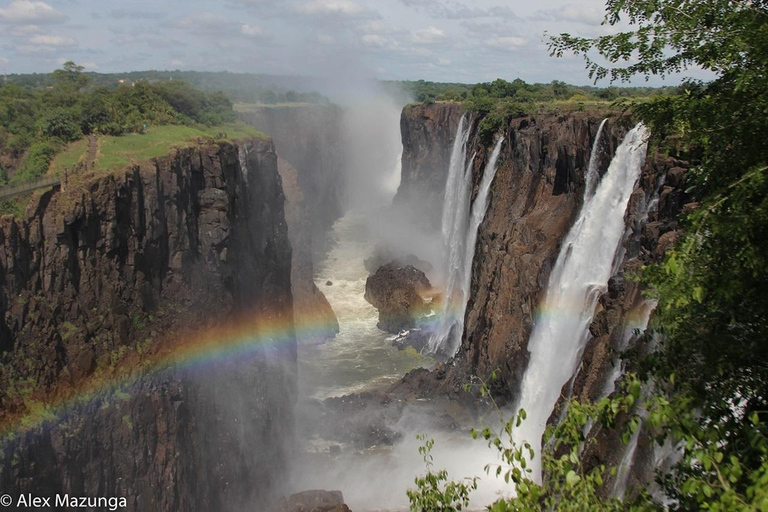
{"type": "Point", "coordinates": [399, 293]}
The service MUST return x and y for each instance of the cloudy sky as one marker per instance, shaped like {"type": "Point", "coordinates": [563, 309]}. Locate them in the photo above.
{"type": "Point", "coordinates": [442, 40]}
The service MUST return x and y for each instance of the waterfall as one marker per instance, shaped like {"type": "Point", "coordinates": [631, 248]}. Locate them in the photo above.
{"type": "Point", "coordinates": [637, 320]}
{"type": "Point", "coordinates": [580, 275]}
{"type": "Point", "coordinates": [242, 155]}
{"type": "Point", "coordinates": [622, 474]}
{"type": "Point", "coordinates": [593, 174]}
{"type": "Point", "coordinates": [459, 230]}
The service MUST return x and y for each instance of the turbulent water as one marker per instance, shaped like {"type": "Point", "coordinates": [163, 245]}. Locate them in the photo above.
{"type": "Point", "coordinates": [360, 356]}
{"type": "Point", "coordinates": [459, 230]}
{"type": "Point", "coordinates": [580, 275]}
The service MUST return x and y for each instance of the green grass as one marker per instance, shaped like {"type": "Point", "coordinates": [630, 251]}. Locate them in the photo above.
{"type": "Point", "coordinates": [134, 148]}
{"type": "Point", "coordinates": [116, 152]}
{"type": "Point", "coordinates": [70, 156]}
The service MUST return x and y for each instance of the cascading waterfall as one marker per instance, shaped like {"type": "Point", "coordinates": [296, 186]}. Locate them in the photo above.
{"type": "Point", "coordinates": [455, 212]}
{"type": "Point", "coordinates": [580, 275]}
{"type": "Point", "coordinates": [637, 321]}
{"type": "Point", "coordinates": [460, 225]}
{"type": "Point", "coordinates": [593, 174]}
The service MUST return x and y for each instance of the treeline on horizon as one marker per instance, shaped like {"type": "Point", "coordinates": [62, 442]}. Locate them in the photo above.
{"type": "Point", "coordinates": [423, 91]}
{"type": "Point", "coordinates": [275, 89]}
{"type": "Point", "coordinates": [238, 87]}
{"type": "Point", "coordinates": [38, 118]}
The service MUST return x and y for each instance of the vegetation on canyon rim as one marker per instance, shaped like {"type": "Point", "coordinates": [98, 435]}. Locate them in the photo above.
{"type": "Point", "coordinates": [36, 123]}
{"type": "Point", "coordinates": [708, 375]}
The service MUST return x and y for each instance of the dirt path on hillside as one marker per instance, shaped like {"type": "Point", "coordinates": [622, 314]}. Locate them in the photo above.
{"type": "Point", "coordinates": [93, 151]}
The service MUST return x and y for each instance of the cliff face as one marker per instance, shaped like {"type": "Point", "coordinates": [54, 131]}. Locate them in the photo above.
{"type": "Point", "coordinates": [427, 132]}
{"type": "Point", "coordinates": [309, 138]}
{"type": "Point", "coordinates": [314, 318]}
{"type": "Point", "coordinates": [309, 142]}
{"type": "Point", "coordinates": [534, 200]}
{"type": "Point", "coordinates": [111, 275]}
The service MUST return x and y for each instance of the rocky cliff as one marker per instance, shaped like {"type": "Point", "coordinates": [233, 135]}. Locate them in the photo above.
{"type": "Point", "coordinates": [314, 318]}
{"type": "Point", "coordinates": [308, 139]}
{"type": "Point", "coordinates": [106, 286]}
{"type": "Point", "coordinates": [427, 133]}
{"type": "Point", "coordinates": [534, 200]}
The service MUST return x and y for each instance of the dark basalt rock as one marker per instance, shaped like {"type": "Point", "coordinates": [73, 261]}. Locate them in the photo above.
{"type": "Point", "coordinates": [382, 256]}
{"type": "Point", "coordinates": [398, 293]}
{"type": "Point", "coordinates": [114, 266]}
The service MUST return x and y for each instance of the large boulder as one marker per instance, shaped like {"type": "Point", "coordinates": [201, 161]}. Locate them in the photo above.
{"type": "Point", "coordinates": [314, 501]}
{"type": "Point", "coordinates": [398, 292]}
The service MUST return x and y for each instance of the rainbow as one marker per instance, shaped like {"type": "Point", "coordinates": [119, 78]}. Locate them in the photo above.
{"type": "Point", "coordinates": [235, 338]}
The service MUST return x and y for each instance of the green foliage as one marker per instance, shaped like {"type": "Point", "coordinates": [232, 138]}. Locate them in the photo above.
{"type": "Point", "coordinates": [70, 76]}
{"type": "Point", "coordinates": [710, 478]}
{"type": "Point", "coordinates": [62, 124]}
{"type": "Point", "coordinates": [210, 109]}
{"type": "Point", "coordinates": [35, 123]}
{"type": "Point", "coordinates": [36, 163]}
{"type": "Point", "coordinates": [569, 483]}
{"type": "Point", "coordinates": [713, 308]}
{"type": "Point", "coordinates": [434, 492]}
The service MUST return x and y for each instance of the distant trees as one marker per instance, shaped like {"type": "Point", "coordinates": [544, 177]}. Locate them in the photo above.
{"type": "Point", "coordinates": [35, 123]}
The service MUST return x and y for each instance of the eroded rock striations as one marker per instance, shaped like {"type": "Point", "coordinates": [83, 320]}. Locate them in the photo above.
{"type": "Point", "coordinates": [102, 286]}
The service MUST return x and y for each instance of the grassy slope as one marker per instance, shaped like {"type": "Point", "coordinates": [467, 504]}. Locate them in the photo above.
{"type": "Point", "coordinates": [133, 148]}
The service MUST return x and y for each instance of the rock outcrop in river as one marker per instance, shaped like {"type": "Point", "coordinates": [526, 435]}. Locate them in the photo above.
{"type": "Point", "coordinates": [399, 293]}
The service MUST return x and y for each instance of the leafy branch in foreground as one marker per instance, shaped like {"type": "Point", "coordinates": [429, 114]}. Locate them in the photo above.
{"type": "Point", "coordinates": [434, 491]}
{"type": "Point", "coordinates": [568, 482]}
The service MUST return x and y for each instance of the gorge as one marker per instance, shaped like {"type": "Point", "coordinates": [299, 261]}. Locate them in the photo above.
{"type": "Point", "coordinates": [235, 278]}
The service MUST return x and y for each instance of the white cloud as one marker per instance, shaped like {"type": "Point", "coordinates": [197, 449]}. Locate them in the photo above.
{"type": "Point", "coordinates": [325, 39]}
{"type": "Point", "coordinates": [588, 15]}
{"type": "Point", "coordinates": [176, 63]}
{"type": "Point", "coordinates": [251, 31]}
{"type": "Point", "coordinates": [428, 35]}
{"type": "Point", "coordinates": [52, 41]}
{"type": "Point", "coordinates": [345, 7]}
{"type": "Point", "coordinates": [509, 43]}
{"type": "Point", "coordinates": [24, 30]}
{"type": "Point", "coordinates": [443, 62]}
{"type": "Point", "coordinates": [374, 40]}
{"type": "Point", "coordinates": [206, 22]}
{"type": "Point", "coordinates": [27, 12]}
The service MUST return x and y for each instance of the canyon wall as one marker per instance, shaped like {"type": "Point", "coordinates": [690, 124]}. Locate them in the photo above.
{"type": "Point", "coordinates": [104, 285]}
{"type": "Point", "coordinates": [309, 138]}
{"type": "Point", "coordinates": [534, 200]}
{"type": "Point", "coordinates": [309, 141]}
{"type": "Point", "coordinates": [427, 134]}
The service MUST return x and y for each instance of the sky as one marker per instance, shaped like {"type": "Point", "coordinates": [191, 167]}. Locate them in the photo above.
{"type": "Point", "coordinates": [440, 40]}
